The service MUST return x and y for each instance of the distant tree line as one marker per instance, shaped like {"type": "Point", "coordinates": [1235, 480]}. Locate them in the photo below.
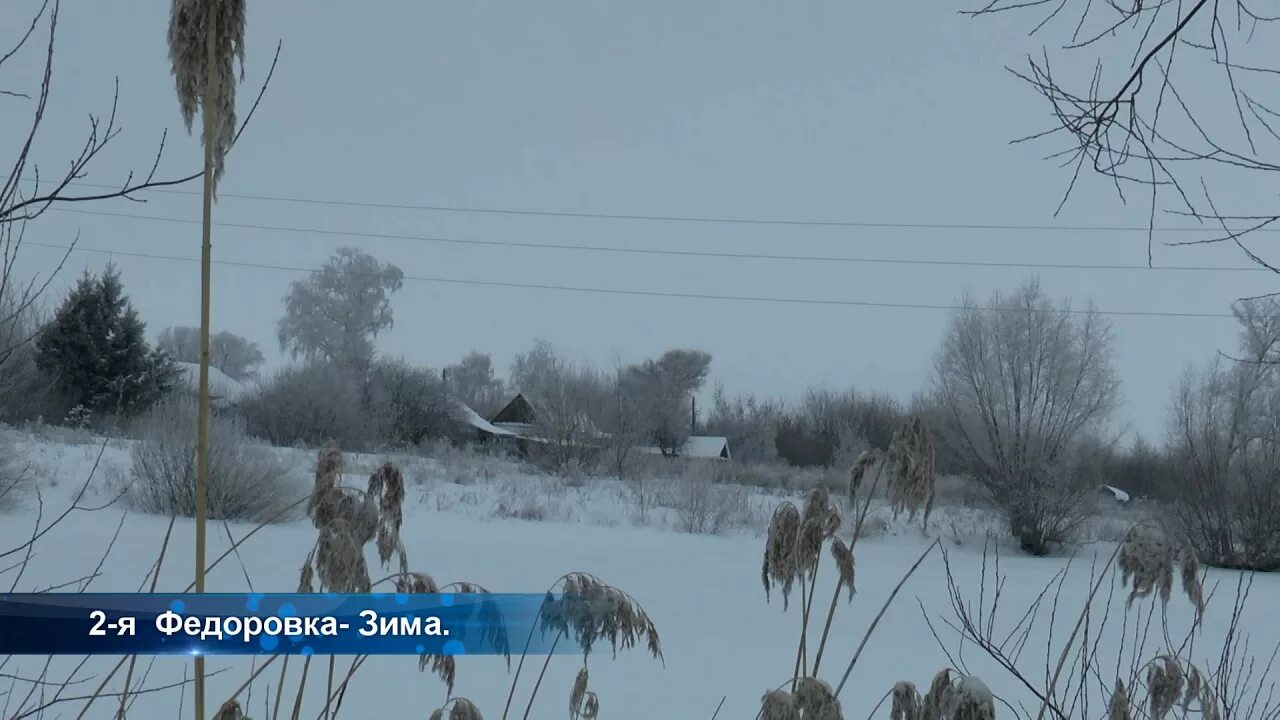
{"type": "Point", "coordinates": [1019, 402]}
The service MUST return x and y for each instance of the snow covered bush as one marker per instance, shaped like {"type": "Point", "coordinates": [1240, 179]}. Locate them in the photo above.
{"type": "Point", "coordinates": [704, 504]}
{"type": "Point", "coordinates": [246, 482]}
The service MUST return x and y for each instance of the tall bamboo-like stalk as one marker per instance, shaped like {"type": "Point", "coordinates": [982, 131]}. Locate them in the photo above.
{"type": "Point", "coordinates": [205, 38]}
{"type": "Point", "coordinates": [206, 260]}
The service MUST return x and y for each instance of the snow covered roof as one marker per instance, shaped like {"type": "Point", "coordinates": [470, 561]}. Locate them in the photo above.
{"type": "Point", "coordinates": [472, 418]}
{"type": "Point", "coordinates": [702, 447]}
{"type": "Point", "coordinates": [221, 386]}
{"type": "Point", "coordinates": [1117, 493]}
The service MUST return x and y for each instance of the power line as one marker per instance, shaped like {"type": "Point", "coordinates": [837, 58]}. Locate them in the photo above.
{"type": "Point", "coordinates": [687, 218]}
{"type": "Point", "coordinates": [618, 291]}
{"type": "Point", "coordinates": [669, 252]}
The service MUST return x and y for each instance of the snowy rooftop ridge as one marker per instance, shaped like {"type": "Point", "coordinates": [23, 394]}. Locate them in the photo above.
{"type": "Point", "coordinates": [221, 386]}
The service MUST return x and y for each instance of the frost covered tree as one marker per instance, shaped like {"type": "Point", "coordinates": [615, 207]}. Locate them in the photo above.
{"type": "Point", "coordinates": [663, 389]}
{"type": "Point", "coordinates": [338, 311]}
{"type": "Point", "coordinates": [473, 381]}
{"type": "Point", "coordinates": [1021, 382]}
{"type": "Point", "coordinates": [94, 350]}
{"type": "Point", "coordinates": [239, 358]}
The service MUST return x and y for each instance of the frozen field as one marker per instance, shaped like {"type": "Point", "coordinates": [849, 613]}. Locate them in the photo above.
{"type": "Point", "coordinates": [720, 638]}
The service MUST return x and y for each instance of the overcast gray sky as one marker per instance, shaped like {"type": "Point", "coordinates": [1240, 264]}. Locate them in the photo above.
{"type": "Point", "coordinates": [825, 110]}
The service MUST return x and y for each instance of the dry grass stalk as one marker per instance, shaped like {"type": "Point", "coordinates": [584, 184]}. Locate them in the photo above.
{"type": "Point", "coordinates": [817, 701]}
{"type": "Point", "coordinates": [387, 486]}
{"type": "Point", "coordinates": [818, 522]}
{"type": "Point", "coordinates": [188, 37]}
{"type": "Point", "coordinates": [844, 563]}
{"type": "Point", "coordinates": [443, 666]}
{"type": "Point", "coordinates": [778, 705]}
{"type": "Point", "coordinates": [906, 702]}
{"type": "Point", "coordinates": [488, 615]}
{"type": "Point", "coordinates": [858, 473]}
{"type": "Point", "coordinates": [340, 559]}
{"type": "Point", "coordinates": [972, 700]}
{"type": "Point", "coordinates": [911, 457]}
{"type": "Point", "coordinates": [779, 566]}
{"type": "Point", "coordinates": [1165, 682]}
{"type": "Point", "coordinates": [1147, 558]}
{"type": "Point", "coordinates": [1118, 707]}
{"type": "Point", "coordinates": [937, 700]}
{"type": "Point", "coordinates": [578, 694]}
{"type": "Point", "coordinates": [590, 609]}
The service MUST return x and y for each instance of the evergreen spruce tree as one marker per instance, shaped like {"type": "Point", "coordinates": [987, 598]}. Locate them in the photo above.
{"type": "Point", "coordinates": [95, 352]}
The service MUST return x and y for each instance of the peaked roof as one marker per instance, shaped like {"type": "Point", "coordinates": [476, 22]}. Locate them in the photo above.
{"type": "Point", "coordinates": [472, 418]}
{"type": "Point", "coordinates": [704, 446]}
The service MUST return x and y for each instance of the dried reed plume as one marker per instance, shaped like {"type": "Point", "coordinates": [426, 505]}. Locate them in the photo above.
{"type": "Point", "coordinates": [958, 697]}
{"type": "Point", "coordinates": [188, 38]}
{"type": "Point", "coordinates": [583, 703]}
{"type": "Point", "coordinates": [906, 702]}
{"type": "Point", "coordinates": [589, 609]}
{"type": "Point", "coordinates": [780, 551]}
{"type": "Point", "coordinates": [340, 559]}
{"type": "Point", "coordinates": [865, 462]}
{"type": "Point", "coordinates": [817, 701]}
{"type": "Point", "coordinates": [387, 486]}
{"type": "Point", "coordinates": [972, 700]}
{"type": "Point", "coordinates": [1164, 686]}
{"type": "Point", "coordinates": [911, 458]}
{"type": "Point", "coordinates": [1118, 707]}
{"type": "Point", "coordinates": [487, 615]}
{"type": "Point", "coordinates": [419, 583]}
{"type": "Point", "coordinates": [844, 563]}
{"type": "Point", "coordinates": [794, 543]}
{"type": "Point", "coordinates": [818, 522]}
{"type": "Point", "coordinates": [778, 705]}
{"type": "Point", "coordinates": [459, 709]}
{"type": "Point", "coordinates": [230, 710]}
{"type": "Point", "coordinates": [1147, 557]}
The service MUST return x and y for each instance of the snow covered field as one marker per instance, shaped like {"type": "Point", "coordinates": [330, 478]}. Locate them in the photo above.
{"type": "Point", "coordinates": [720, 638]}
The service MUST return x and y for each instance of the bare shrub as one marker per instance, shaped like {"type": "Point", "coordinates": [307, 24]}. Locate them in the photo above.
{"type": "Point", "coordinates": [703, 504]}
{"type": "Point", "coordinates": [1020, 383]}
{"type": "Point", "coordinates": [16, 475]}
{"type": "Point", "coordinates": [246, 482]}
{"type": "Point", "coordinates": [308, 405]}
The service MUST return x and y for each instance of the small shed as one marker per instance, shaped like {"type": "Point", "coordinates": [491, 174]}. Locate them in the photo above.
{"type": "Point", "coordinates": [701, 447]}
{"type": "Point", "coordinates": [1114, 493]}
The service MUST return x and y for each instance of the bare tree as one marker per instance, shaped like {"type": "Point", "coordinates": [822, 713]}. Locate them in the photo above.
{"type": "Point", "coordinates": [623, 423]}
{"type": "Point", "coordinates": [1164, 100]}
{"type": "Point", "coordinates": [473, 381]}
{"type": "Point", "coordinates": [338, 311]}
{"type": "Point", "coordinates": [1225, 442]}
{"type": "Point", "coordinates": [751, 426]}
{"type": "Point", "coordinates": [238, 357]}
{"type": "Point", "coordinates": [1020, 383]}
{"type": "Point", "coordinates": [563, 396]}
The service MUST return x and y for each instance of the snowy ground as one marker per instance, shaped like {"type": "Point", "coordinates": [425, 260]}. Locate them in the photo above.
{"type": "Point", "coordinates": [720, 637]}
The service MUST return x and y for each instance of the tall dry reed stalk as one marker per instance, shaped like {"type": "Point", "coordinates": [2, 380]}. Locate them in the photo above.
{"type": "Point", "coordinates": [205, 38]}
